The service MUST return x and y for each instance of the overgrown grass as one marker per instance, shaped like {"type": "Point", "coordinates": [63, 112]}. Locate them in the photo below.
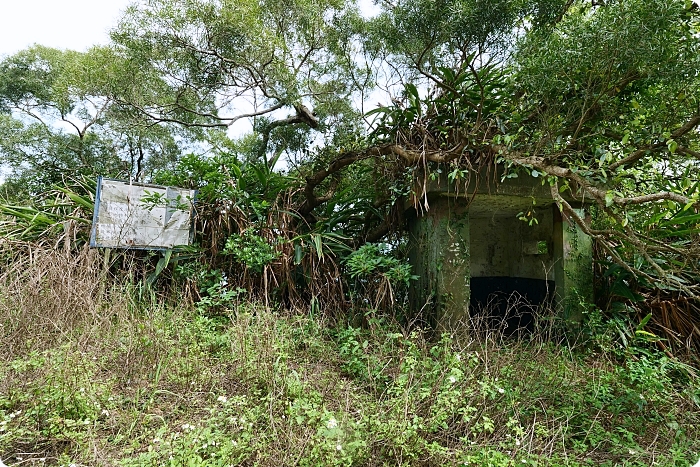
{"type": "Point", "coordinates": [104, 372]}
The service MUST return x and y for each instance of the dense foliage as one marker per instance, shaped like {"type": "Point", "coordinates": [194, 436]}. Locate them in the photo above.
{"type": "Point", "coordinates": [274, 103]}
{"type": "Point", "coordinates": [310, 129]}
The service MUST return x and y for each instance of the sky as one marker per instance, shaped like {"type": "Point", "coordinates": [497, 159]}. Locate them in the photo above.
{"type": "Point", "coordinates": [62, 24]}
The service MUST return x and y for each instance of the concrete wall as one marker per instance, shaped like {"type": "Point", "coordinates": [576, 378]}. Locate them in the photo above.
{"type": "Point", "coordinates": [440, 257]}
{"type": "Point", "coordinates": [503, 245]}
{"type": "Point", "coordinates": [464, 236]}
{"type": "Point", "coordinates": [574, 267]}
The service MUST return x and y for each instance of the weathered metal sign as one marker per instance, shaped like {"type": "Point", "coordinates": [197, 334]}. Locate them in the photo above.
{"type": "Point", "coordinates": [136, 215]}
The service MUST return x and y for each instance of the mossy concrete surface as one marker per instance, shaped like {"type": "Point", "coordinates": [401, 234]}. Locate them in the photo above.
{"type": "Point", "coordinates": [574, 274]}
{"type": "Point", "coordinates": [440, 257]}
{"type": "Point", "coordinates": [466, 234]}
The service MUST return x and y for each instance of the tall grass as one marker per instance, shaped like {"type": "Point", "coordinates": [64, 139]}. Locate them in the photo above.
{"type": "Point", "coordinates": [99, 370]}
{"type": "Point", "coordinates": [48, 298]}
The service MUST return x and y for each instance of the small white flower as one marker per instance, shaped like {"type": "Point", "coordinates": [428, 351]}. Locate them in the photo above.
{"type": "Point", "coordinates": [222, 399]}
{"type": "Point", "coordinates": [631, 451]}
{"type": "Point", "coordinates": [458, 357]}
{"type": "Point", "coordinates": [105, 412]}
{"type": "Point", "coordinates": [156, 440]}
{"type": "Point", "coordinates": [517, 442]}
{"type": "Point", "coordinates": [338, 447]}
{"type": "Point", "coordinates": [187, 427]}
{"type": "Point", "coordinates": [332, 423]}
{"type": "Point", "coordinates": [452, 380]}
{"type": "Point", "coordinates": [524, 461]}
{"type": "Point", "coordinates": [501, 390]}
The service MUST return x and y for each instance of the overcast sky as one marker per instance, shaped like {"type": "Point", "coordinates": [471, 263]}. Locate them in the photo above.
{"type": "Point", "coordinates": [63, 24]}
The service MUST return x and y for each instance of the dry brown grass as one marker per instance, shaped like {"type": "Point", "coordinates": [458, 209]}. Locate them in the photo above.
{"type": "Point", "coordinates": [48, 296]}
{"type": "Point", "coordinates": [98, 367]}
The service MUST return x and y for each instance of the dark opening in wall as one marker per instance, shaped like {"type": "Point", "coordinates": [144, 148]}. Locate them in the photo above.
{"type": "Point", "coordinates": [509, 303]}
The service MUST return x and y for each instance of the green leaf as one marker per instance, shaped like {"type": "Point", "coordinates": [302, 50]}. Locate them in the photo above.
{"type": "Point", "coordinates": [77, 199]}
{"type": "Point", "coordinates": [644, 321]}
{"type": "Point", "coordinates": [378, 110]}
{"type": "Point", "coordinates": [162, 264]}
{"type": "Point", "coordinates": [672, 146]}
{"type": "Point", "coordinates": [298, 254]}
{"type": "Point", "coordinates": [609, 198]}
{"type": "Point", "coordinates": [318, 244]}
{"type": "Point", "coordinates": [412, 90]}
{"type": "Point", "coordinates": [236, 170]}
{"type": "Point", "coordinates": [261, 174]}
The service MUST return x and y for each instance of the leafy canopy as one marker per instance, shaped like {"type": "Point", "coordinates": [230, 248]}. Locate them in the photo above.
{"type": "Point", "coordinates": [599, 99]}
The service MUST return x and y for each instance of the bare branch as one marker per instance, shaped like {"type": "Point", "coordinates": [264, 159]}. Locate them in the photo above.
{"type": "Point", "coordinates": [224, 121]}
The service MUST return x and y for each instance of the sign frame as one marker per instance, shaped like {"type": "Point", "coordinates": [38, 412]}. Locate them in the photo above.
{"type": "Point", "coordinates": [169, 210]}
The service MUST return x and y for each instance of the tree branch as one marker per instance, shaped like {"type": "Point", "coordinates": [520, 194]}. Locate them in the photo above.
{"type": "Point", "coordinates": [641, 152]}
{"type": "Point", "coordinates": [599, 194]}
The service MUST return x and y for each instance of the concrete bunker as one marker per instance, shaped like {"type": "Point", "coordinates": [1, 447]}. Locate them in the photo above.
{"type": "Point", "coordinates": [474, 254]}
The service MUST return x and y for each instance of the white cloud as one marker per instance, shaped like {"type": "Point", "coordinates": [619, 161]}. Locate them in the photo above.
{"type": "Point", "coordinates": [64, 24]}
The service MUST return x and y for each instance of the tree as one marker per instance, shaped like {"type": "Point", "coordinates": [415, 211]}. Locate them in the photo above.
{"type": "Point", "coordinates": [610, 98]}
{"type": "Point", "coordinates": [216, 64]}
{"type": "Point", "coordinates": [60, 117]}
{"type": "Point", "coordinates": [597, 98]}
